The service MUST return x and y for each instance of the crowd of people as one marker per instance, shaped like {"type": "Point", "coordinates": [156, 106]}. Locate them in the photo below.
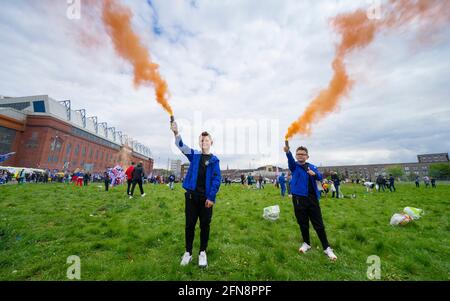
{"type": "Point", "coordinates": [427, 181]}
{"type": "Point", "coordinates": [26, 176]}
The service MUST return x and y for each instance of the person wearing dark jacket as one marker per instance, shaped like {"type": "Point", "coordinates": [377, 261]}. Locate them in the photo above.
{"type": "Point", "coordinates": [380, 183]}
{"type": "Point", "coordinates": [433, 182]}
{"type": "Point", "coordinates": [138, 174]}
{"type": "Point", "coordinates": [305, 198]}
{"type": "Point", "coordinates": [336, 183]}
{"type": "Point", "coordinates": [171, 181]}
{"type": "Point", "coordinates": [202, 182]}
{"type": "Point", "coordinates": [282, 182]}
{"type": "Point", "coordinates": [86, 178]}
{"type": "Point", "coordinates": [391, 183]}
{"type": "Point", "coordinates": [106, 180]}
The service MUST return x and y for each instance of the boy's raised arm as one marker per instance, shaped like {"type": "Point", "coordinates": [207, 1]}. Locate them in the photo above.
{"type": "Point", "coordinates": [186, 150]}
{"type": "Point", "coordinates": [291, 161]}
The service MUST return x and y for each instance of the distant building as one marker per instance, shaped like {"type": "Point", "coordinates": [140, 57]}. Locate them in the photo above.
{"type": "Point", "coordinates": [48, 134]}
{"type": "Point", "coordinates": [433, 158]}
{"type": "Point", "coordinates": [175, 167]}
{"type": "Point", "coordinates": [371, 171]}
{"type": "Point", "coordinates": [183, 169]}
{"type": "Point", "coordinates": [268, 171]}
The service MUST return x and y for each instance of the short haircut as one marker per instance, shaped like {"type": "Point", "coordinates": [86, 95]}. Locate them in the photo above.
{"type": "Point", "coordinates": [132, 163]}
{"type": "Point", "coordinates": [302, 148]}
{"type": "Point", "coordinates": [206, 134]}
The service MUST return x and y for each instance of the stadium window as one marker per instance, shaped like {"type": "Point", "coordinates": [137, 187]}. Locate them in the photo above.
{"type": "Point", "coordinates": [77, 149]}
{"type": "Point", "coordinates": [68, 148]}
{"type": "Point", "coordinates": [91, 151]}
{"type": "Point", "coordinates": [33, 142]}
{"type": "Point", "coordinates": [19, 106]}
{"type": "Point", "coordinates": [52, 145]}
{"type": "Point", "coordinates": [39, 106]}
{"type": "Point", "coordinates": [58, 145]}
{"type": "Point", "coordinates": [84, 151]}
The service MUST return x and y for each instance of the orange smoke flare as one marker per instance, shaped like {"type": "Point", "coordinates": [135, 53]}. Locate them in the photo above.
{"type": "Point", "coordinates": [116, 18]}
{"type": "Point", "coordinates": [357, 31]}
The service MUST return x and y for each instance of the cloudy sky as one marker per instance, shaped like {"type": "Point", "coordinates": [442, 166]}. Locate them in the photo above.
{"type": "Point", "coordinates": [243, 70]}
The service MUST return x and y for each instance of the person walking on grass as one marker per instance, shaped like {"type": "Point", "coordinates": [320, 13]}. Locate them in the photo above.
{"type": "Point", "coordinates": [288, 184]}
{"type": "Point", "coordinates": [417, 181]}
{"type": "Point", "coordinates": [242, 180]}
{"type": "Point", "coordinates": [86, 178]}
{"type": "Point", "coordinates": [202, 182]}
{"type": "Point", "coordinates": [171, 181]}
{"type": "Point", "coordinates": [380, 183]}
{"type": "Point", "coordinates": [433, 182]}
{"type": "Point", "coordinates": [305, 198]}
{"type": "Point", "coordinates": [129, 174]}
{"type": "Point", "coordinates": [391, 183]}
{"type": "Point", "coordinates": [106, 180]}
{"type": "Point", "coordinates": [336, 183]}
{"type": "Point", "coordinates": [21, 176]}
{"type": "Point", "coordinates": [138, 175]}
{"type": "Point", "coordinates": [282, 182]}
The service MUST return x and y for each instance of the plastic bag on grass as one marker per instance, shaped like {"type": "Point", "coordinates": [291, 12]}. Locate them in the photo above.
{"type": "Point", "coordinates": [414, 213]}
{"type": "Point", "coordinates": [271, 213]}
{"type": "Point", "coordinates": [400, 219]}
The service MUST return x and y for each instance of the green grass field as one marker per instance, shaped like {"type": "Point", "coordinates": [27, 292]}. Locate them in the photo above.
{"type": "Point", "coordinates": [143, 239]}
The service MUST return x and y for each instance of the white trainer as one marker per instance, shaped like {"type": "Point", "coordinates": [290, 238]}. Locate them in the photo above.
{"type": "Point", "coordinates": [186, 259]}
{"type": "Point", "coordinates": [143, 195]}
{"type": "Point", "coordinates": [304, 248]}
{"type": "Point", "coordinates": [131, 197]}
{"type": "Point", "coordinates": [329, 252]}
{"type": "Point", "coordinates": [202, 260]}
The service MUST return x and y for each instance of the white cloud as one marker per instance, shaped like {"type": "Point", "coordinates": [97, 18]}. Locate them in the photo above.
{"type": "Point", "coordinates": [237, 59]}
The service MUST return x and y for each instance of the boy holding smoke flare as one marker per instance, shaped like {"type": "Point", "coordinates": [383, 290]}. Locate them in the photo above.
{"type": "Point", "coordinates": [202, 183]}
{"type": "Point", "coordinates": [305, 197]}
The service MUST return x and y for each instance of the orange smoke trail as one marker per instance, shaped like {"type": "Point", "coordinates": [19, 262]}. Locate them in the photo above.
{"type": "Point", "coordinates": [128, 45]}
{"type": "Point", "coordinates": [358, 31]}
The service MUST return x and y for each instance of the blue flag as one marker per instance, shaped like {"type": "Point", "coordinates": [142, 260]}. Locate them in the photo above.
{"type": "Point", "coordinates": [5, 157]}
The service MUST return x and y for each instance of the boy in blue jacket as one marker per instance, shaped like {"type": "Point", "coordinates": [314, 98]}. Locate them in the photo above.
{"type": "Point", "coordinates": [201, 183]}
{"type": "Point", "coordinates": [305, 197]}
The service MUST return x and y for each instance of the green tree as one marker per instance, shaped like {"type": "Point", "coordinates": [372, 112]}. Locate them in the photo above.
{"type": "Point", "coordinates": [440, 170]}
{"type": "Point", "coordinates": [396, 171]}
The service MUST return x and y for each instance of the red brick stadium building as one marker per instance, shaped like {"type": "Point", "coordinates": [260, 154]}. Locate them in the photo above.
{"type": "Point", "coordinates": [48, 134]}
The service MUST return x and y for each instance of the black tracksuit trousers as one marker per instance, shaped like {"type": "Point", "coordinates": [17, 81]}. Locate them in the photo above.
{"type": "Point", "coordinates": [195, 209]}
{"type": "Point", "coordinates": [306, 209]}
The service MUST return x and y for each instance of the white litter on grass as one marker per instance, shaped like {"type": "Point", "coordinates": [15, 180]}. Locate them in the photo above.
{"type": "Point", "coordinates": [408, 214]}
{"type": "Point", "coordinates": [414, 213]}
{"type": "Point", "coordinates": [271, 213]}
{"type": "Point", "coordinates": [400, 219]}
